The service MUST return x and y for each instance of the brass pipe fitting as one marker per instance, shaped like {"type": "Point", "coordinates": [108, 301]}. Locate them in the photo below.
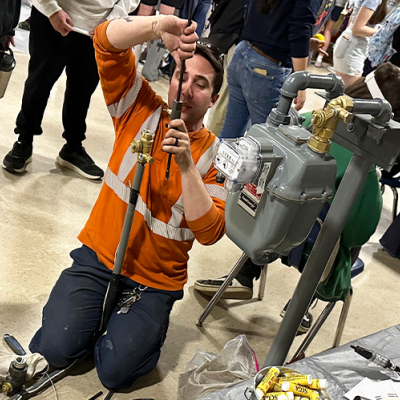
{"type": "Point", "coordinates": [143, 147]}
{"type": "Point", "coordinates": [325, 122]}
{"type": "Point", "coordinates": [7, 387]}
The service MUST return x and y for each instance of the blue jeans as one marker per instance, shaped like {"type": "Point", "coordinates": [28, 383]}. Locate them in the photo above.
{"type": "Point", "coordinates": [200, 10]}
{"type": "Point", "coordinates": [71, 319]}
{"type": "Point", "coordinates": [252, 95]}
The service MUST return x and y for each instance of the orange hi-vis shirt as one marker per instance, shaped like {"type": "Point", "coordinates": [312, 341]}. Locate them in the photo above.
{"type": "Point", "coordinates": [161, 237]}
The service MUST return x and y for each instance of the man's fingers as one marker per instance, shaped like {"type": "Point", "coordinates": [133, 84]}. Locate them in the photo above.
{"type": "Point", "coordinates": [299, 105]}
{"type": "Point", "coordinates": [183, 55]}
{"type": "Point", "coordinates": [192, 38]}
{"type": "Point", "coordinates": [191, 28]}
{"type": "Point", "coordinates": [187, 47]}
{"type": "Point", "coordinates": [177, 124]}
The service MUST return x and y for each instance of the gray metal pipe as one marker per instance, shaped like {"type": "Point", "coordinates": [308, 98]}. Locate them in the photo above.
{"type": "Point", "coordinates": [335, 221]}
{"type": "Point", "coordinates": [302, 80]}
{"type": "Point", "coordinates": [130, 212]}
{"type": "Point", "coordinates": [379, 108]}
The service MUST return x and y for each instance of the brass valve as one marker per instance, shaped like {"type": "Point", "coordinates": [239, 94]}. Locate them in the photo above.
{"type": "Point", "coordinates": [325, 122]}
{"type": "Point", "coordinates": [7, 387]}
{"type": "Point", "coordinates": [143, 147]}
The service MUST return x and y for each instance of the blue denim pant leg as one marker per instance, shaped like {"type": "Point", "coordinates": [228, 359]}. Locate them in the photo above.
{"type": "Point", "coordinates": [200, 10]}
{"type": "Point", "coordinates": [237, 114]}
{"type": "Point", "coordinates": [254, 85]}
{"type": "Point", "coordinates": [72, 316]}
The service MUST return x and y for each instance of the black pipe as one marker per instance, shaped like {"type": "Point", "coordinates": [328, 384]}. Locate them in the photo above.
{"type": "Point", "coordinates": [177, 106]}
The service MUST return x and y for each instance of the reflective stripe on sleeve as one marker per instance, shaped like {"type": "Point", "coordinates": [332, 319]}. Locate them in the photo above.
{"type": "Point", "coordinates": [118, 109]}
{"type": "Point", "coordinates": [155, 225]}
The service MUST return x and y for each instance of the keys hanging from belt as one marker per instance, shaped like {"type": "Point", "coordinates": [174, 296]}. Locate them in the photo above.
{"type": "Point", "coordinates": [129, 297]}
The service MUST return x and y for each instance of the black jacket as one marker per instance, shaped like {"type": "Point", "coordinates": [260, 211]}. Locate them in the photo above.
{"type": "Point", "coordinates": [285, 32]}
{"type": "Point", "coordinates": [9, 16]}
{"type": "Point", "coordinates": [227, 21]}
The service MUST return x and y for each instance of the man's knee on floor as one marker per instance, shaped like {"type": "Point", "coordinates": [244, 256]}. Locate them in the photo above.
{"type": "Point", "coordinates": [116, 379]}
{"type": "Point", "coordinates": [121, 372]}
{"type": "Point", "coordinates": [59, 354]}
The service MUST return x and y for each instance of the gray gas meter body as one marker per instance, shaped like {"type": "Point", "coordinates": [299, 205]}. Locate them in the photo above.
{"type": "Point", "coordinates": [277, 211]}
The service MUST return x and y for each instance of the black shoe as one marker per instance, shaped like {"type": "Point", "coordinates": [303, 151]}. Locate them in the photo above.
{"type": "Point", "coordinates": [79, 161]}
{"type": "Point", "coordinates": [306, 322]}
{"type": "Point", "coordinates": [18, 157]}
{"type": "Point", "coordinates": [235, 291]}
{"type": "Point", "coordinates": [25, 25]}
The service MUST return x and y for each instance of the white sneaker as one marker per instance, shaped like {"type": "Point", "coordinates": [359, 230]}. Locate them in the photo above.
{"type": "Point", "coordinates": [235, 290]}
{"type": "Point", "coordinates": [318, 62]}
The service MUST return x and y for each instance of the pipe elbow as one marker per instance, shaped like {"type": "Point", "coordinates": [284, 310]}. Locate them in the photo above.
{"type": "Point", "coordinates": [337, 88]}
{"type": "Point", "coordinates": [297, 81]}
{"type": "Point", "coordinates": [385, 114]}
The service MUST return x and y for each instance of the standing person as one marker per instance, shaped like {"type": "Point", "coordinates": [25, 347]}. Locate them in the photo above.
{"type": "Point", "coordinates": [350, 51]}
{"type": "Point", "coordinates": [200, 10]}
{"type": "Point", "coordinates": [169, 216]}
{"type": "Point", "coordinates": [226, 27]}
{"type": "Point", "coordinates": [276, 41]}
{"type": "Point", "coordinates": [53, 46]}
{"type": "Point", "coordinates": [333, 18]}
{"type": "Point", "coordinates": [9, 16]}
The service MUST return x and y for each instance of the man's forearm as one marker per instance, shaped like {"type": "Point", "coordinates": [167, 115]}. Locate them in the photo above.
{"type": "Point", "coordinates": [128, 32]}
{"type": "Point", "coordinates": [196, 200]}
{"type": "Point", "coordinates": [300, 64]}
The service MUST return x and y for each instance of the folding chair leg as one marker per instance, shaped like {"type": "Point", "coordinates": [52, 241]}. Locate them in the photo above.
{"type": "Point", "coordinates": [300, 353]}
{"type": "Point", "coordinates": [217, 296]}
{"type": "Point", "coordinates": [343, 318]}
{"type": "Point", "coordinates": [395, 200]}
{"type": "Point", "coordinates": [263, 282]}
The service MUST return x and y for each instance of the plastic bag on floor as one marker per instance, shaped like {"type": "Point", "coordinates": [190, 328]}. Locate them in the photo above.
{"type": "Point", "coordinates": [36, 363]}
{"type": "Point", "coordinates": [207, 372]}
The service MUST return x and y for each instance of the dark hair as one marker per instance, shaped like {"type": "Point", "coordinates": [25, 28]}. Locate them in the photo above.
{"type": "Point", "coordinates": [387, 77]}
{"type": "Point", "coordinates": [267, 6]}
{"type": "Point", "coordinates": [215, 58]}
{"type": "Point", "coordinates": [380, 13]}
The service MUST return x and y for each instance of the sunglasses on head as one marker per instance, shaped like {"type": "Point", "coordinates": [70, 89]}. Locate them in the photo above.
{"type": "Point", "coordinates": [215, 50]}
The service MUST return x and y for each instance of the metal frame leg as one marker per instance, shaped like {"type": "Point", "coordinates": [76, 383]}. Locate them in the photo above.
{"type": "Point", "coordinates": [395, 200]}
{"type": "Point", "coordinates": [263, 282]}
{"type": "Point", "coordinates": [300, 353]}
{"type": "Point", "coordinates": [335, 221]}
{"type": "Point", "coordinates": [343, 318]}
{"type": "Point", "coordinates": [217, 296]}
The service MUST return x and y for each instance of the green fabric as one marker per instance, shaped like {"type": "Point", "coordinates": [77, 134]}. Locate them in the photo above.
{"type": "Point", "coordinates": [361, 224]}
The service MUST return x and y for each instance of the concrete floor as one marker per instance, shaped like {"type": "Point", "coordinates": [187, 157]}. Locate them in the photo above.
{"type": "Point", "coordinates": [43, 210]}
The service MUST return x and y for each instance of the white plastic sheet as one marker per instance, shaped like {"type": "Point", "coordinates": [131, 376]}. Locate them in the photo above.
{"type": "Point", "coordinates": [207, 373]}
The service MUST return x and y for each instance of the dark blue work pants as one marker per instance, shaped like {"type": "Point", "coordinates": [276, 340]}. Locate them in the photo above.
{"type": "Point", "coordinates": [71, 319]}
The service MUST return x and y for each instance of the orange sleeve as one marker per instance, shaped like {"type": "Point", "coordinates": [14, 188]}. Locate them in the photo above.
{"type": "Point", "coordinates": [209, 228]}
{"type": "Point", "coordinates": [116, 67]}
{"type": "Point", "coordinates": [123, 87]}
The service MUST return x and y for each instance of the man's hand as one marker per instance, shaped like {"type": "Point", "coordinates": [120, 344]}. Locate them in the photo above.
{"type": "Point", "coordinates": [9, 40]}
{"type": "Point", "coordinates": [179, 38]}
{"type": "Point", "coordinates": [300, 100]}
{"type": "Point", "coordinates": [177, 142]}
{"type": "Point", "coordinates": [61, 22]}
{"type": "Point", "coordinates": [316, 45]}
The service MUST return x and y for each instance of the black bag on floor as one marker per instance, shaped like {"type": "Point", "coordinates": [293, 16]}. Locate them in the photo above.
{"type": "Point", "coordinates": [391, 238]}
